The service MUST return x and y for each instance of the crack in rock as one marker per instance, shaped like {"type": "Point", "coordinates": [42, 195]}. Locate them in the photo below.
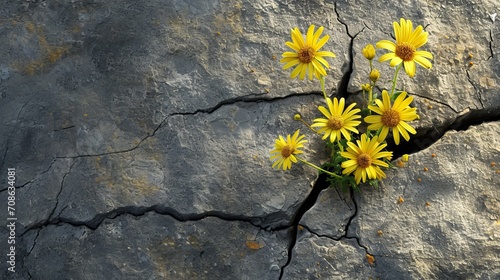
{"type": "Point", "coordinates": [60, 191]}
{"type": "Point", "coordinates": [138, 211]}
{"type": "Point", "coordinates": [491, 46]}
{"type": "Point", "coordinates": [478, 93]}
{"type": "Point", "coordinates": [346, 77]}
{"type": "Point", "coordinates": [230, 101]}
{"type": "Point", "coordinates": [309, 202]}
{"type": "Point", "coordinates": [14, 129]}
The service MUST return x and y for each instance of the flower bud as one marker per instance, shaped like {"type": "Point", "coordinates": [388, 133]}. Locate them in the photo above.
{"type": "Point", "coordinates": [297, 117]}
{"type": "Point", "coordinates": [405, 158]}
{"type": "Point", "coordinates": [374, 75]}
{"type": "Point", "coordinates": [366, 87]}
{"type": "Point", "coordinates": [369, 52]}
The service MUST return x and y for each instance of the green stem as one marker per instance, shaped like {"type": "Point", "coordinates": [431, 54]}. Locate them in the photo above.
{"type": "Point", "coordinates": [310, 127]}
{"type": "Point", "coordinates": [394, 79]}
{"type": "Point", "coordinates": [370, 96]}
{"type": "Point", "coordinates": [341, 148]}
{"type": "Point", "coordinates": [319, 168]}
{"type": "Point", "coordinates": [322, 82]}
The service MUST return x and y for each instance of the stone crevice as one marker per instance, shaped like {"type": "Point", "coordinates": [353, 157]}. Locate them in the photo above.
{"type": "Point", "coordinates": [34, 179]}
{"type": "Point", "coordinates": [309, 202]}
{"type": "Point", "coordinates": [491, 46]}
{"type": "Point", "coordinates": [60, 190]}
{"type": "Point", "coordinates": [339, 238]}
{"type": "Point", "coordinates": [346, 78]}
{"type": "Point", "coordinates": [478, 93]}
{"type": "Point", "coordinates": [231, 101]}
{"type": "Point", "coordinates": [433, 100]}
{"type": "Point", "coordinates": [138, 211]}
{"type": "Point", "coordinates": [320, 185]}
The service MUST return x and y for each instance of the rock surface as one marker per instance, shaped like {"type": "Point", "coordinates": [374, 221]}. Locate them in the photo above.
{"type": "Point", "coordinates": [140, 133]}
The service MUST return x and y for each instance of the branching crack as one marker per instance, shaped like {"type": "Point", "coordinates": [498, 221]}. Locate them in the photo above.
{"type": "Point", "coordinates": [310, 200]}
{"type": "Point", "coordinates": [478, 94]}
{"type": "Point", "coordinates": [60, 191]}
{"type": "Point", "coordinates": [245, 99]}
{"type": "Point", "coordinates": [34, 179]}
{"type": "Point", "coordinates": [342, 90]}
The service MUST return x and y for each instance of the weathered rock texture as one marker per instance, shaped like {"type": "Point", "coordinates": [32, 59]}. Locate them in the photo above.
{"type": "Point", "coordinates": [140, 132]}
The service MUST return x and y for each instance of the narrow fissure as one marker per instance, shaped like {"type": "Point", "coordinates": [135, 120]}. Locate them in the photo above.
{"type": "Point", "coordinates": [433, 134]}
{"type": "Point", "coordinates": [138, 211]}
{"type": "Point", "coordinates": [310, 200]}
{"type": "Point", "coordinates": [342, 90]}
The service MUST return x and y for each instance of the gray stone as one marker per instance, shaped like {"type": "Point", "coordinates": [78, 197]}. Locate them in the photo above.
{"type": "Point", "coordinates": [137, 123]}
{"type": "Point", "coordinates": [156, 247]}
{"type": "Point", "coordinates": [447, 226]}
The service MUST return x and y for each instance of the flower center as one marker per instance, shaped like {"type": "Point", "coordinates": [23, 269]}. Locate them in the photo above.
{"type": "Point", "coordinates": [306, 54]}
{"type": "Point", "coordinates": [287, 151]}
{"type": "Point", "coordinates": [405, 51]}
{"type": "Point", "coordinates": [364, 160]}
{"type": "Point", "coordinates": [391, 118]}
{"type": "Point", "coordinates": [335, 122]}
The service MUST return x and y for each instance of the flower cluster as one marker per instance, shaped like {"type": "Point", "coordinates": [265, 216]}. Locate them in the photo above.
{"type": "Point", "coordinates": [355, 158]}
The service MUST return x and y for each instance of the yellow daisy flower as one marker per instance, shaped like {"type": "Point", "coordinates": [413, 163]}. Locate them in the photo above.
{"type": "Point", "coordinates": [405, 48]}
{"type": "Point", "coordinates": [306, 54]}
{"type": "Point", "coordinates": [365, 159]}
{"type": "Point", "coordinates": [392, 117]}
{"type": "Point", "coordinates": [337, 120]}
{"type": "Point", "coordinates": [285, 150]}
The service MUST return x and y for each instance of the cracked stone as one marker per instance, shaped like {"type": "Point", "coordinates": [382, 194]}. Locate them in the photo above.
{"type": "Point", "coordinates": [135, 119]}
{"type": "Point", "coordinates": [448, 216]}
{"type": "Point", "coordinates": [330, 214]}
{"type": "Point", "coordinates": [323, 258]}
{"type": "Point", "coordinates": [152, 245]}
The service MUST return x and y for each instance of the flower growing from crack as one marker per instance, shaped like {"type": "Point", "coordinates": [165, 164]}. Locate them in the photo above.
{"type": "Point", "coordinates": [338, 121]}
{"type": "Point", "coordinates": [306, 55]}
{"type": "Point", "coordinates": [392, 117]}
{"type": "Point", "coordinates": [285, 150]}
{"type": "Point", "coordinates": [405, 49]}
{"type": "Point", "coordinates": [365, 159]}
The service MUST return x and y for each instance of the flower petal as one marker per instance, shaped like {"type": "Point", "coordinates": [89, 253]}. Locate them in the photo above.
{"type": "Point", "coordinates": [386, 44]}
{"type": "Point", "coordinates": [410, 68]}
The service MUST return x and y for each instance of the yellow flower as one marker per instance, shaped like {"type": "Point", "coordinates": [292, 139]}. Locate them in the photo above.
{"type": "Point", "coordinates": [392, 117]}
{"type": "Point", "coordinates": [337, 120]}
{"type": "Point", "coordinates": [306, 54]}
{"type": "Point", "coordinates": [374, 75]}
{"type": "Point", "coordinates": [365, 159]}
{"type": "Point", "coordinates": [405, 49]}
{"type": "Point", "coordinates": [285, 150]}
{"type": "Point", "coordinates": [369, 52]}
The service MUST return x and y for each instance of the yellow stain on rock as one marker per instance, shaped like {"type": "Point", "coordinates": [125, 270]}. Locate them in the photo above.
{"type": "Point", "coordinates": [119, 176]}
{"type": "Point", "coordinates": [49, 54]}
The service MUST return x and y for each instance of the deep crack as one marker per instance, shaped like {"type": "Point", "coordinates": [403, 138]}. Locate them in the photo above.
{"type": "Point", "coordinates": [137, 211]}
{"type": "Point", "coordinates": [491, 46]}
{"type": "Point", "coordinates": [433, 134]}
{"type": "Point", "coordinates": [344, 82]}
{"type": "Point", "coordinates": [309, 202]}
